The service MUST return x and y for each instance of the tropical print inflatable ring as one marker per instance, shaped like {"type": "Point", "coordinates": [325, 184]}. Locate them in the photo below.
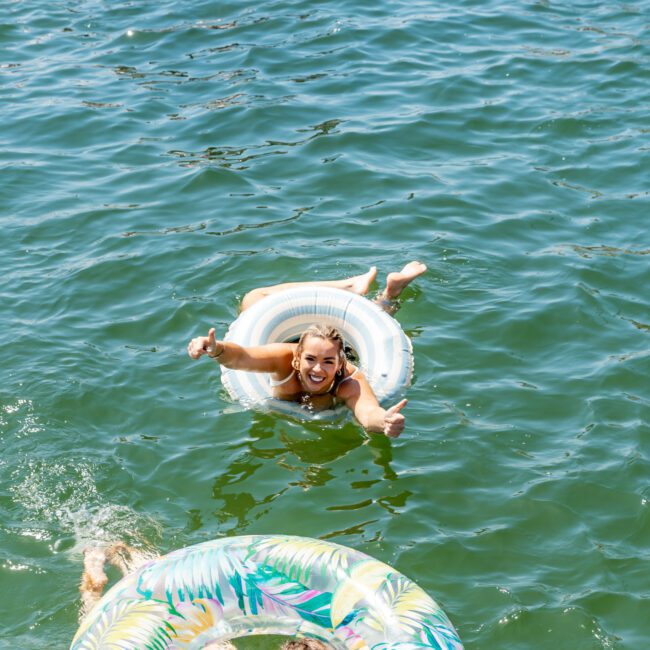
{"type": "Point", "coordinates": [242, 586]}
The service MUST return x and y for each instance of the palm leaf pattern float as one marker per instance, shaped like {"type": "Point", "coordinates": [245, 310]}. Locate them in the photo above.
{"type": "Point", "coordinates": [297, 557]}
{"type": "Point", "coordinates": [194, 573]}
{"type": "Point", "coordinates": [130, 625]}
{"type": "Point", "coordinates": [403, 608]}
{"type": "Point", "coordinates": [270, 591]}
{"type": "Point", "coordinates": [360, 584]}
{"type": "Point", "coordinates": [193, 618]}
{"type": "Point", "coordinates": [333, 590]}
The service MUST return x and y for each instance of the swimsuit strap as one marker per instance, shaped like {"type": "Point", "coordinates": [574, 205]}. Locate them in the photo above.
{"type": "Point", "coordinates": [274, 382]}
{"type": "Point", "coordinates": [337, 385]}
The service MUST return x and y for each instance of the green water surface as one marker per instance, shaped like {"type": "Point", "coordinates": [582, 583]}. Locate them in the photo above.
{"type": "Point", "coordinates": [160, 159]}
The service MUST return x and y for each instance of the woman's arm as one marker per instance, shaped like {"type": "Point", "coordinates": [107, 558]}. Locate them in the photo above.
{"type": "Point", "coordinates": [274, 357]}
{"type": "Point", "coordinates": [361, 400]}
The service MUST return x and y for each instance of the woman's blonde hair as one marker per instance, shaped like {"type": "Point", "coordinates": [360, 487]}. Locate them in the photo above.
{"type": "Point", "coordinates": [323, 332]}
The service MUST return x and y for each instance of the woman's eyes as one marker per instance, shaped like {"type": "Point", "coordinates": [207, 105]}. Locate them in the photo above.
{"type": "Point", "coordinates": [312, 359]}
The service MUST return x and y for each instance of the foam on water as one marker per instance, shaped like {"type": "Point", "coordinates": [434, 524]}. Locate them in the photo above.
{"type": "Point", "coordinates": [62, 504]}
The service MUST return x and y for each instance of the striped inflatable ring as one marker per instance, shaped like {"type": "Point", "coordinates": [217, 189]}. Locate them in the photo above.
{"type": "Point", "coordinates": [383, 350]}
{"type": "Point", "coordinates": [266, 584]}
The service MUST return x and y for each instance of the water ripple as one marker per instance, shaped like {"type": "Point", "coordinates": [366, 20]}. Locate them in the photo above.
{"type": "Point", "coordinates": [158, 161]}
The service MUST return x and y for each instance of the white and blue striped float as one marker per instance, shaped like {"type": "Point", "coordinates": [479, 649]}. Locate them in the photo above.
{"type": "Point", "coordinates": [384, 352]}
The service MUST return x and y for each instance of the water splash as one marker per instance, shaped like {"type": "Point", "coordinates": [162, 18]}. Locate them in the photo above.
{"type": "Point", "coordinates": [63, 504]}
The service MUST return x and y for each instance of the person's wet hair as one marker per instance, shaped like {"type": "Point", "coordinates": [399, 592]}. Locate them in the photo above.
{"type": "Point", "coordinates": [303, 644]}
{"type": "Point", "coordinates": [323, 332]}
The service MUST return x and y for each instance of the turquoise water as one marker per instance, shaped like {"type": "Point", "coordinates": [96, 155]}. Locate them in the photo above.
{"type": "Point", "coordinates": [158, 160]}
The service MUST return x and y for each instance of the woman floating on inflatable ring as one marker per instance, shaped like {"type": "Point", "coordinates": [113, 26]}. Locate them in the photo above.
{"type": "Point", "coordinates": [315, 372]}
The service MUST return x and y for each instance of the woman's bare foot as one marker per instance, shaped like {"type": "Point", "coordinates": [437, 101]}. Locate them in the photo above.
{"type": "Point", "coordinates": [360, 284]}
{"type": "Point", "coordinates": [396, 281]}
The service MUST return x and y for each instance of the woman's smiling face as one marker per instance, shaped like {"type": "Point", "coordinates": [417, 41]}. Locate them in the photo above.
{"type": "Point", "coordinates": [318, 364]}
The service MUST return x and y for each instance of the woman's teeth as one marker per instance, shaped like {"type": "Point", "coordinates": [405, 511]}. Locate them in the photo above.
{"type": "Point", "coordinates": [316, 380]}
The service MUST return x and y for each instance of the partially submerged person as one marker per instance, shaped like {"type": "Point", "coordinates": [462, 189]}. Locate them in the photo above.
{"type": "Point", "coordinates": [315, 371]}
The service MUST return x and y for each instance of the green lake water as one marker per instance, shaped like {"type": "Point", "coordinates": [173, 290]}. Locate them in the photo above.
{"type": "Point", "coordinates": [160, 159]}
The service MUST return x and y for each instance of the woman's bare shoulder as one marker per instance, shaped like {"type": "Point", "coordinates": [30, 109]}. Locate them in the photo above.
{"type": "Point", "coordinates": [354, 382]}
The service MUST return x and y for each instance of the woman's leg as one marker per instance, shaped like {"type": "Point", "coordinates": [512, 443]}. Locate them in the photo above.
{"type": "Point", "coordinates": [395, 284]}
{"type": "Point", "coordinates": [359, 284]}
{"type": "Point", "coordinates": [94, 579]}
